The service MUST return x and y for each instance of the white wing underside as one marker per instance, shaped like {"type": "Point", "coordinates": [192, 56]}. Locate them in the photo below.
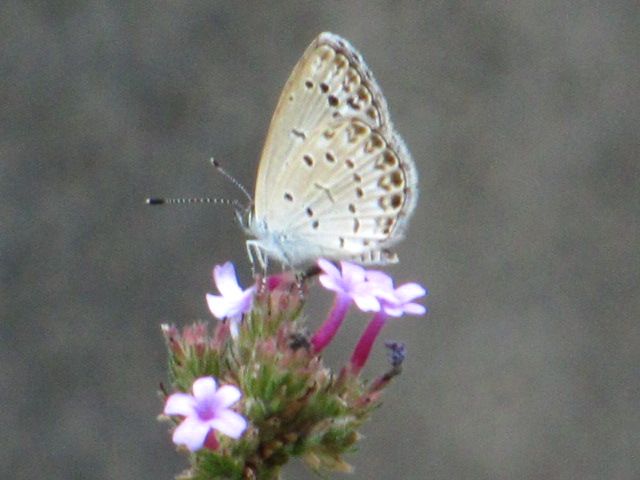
{"type": "Point", "coordinates": [334, 178]}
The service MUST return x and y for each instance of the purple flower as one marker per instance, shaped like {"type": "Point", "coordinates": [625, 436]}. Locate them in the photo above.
{"type": "Point", "coordinates": [394, 303]}
{"type": "Point", "coordinates": [350, 285]}
{"type": "Point", "coordinates": [234, 301]}
{"type": "Point", "coordinates": [352, 282]}
{"type": "Point", "coordinates": [205, 410]}
{"type": "Point", "coordinates": [400, 301]}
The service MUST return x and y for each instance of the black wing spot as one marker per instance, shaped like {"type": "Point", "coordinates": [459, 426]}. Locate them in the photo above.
{"type": "Point", "coordinates": [396, 200]}
{"type": "Point", "coordinates": [299, 134]}
{"type": "Point", "coordinates": [288, 197]}
{"type": "Point", "coordinates": [308, 159]}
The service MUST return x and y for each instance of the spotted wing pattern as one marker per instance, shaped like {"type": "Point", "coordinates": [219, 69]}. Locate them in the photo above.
{"type": "Point", "coordinates": [334, 176]}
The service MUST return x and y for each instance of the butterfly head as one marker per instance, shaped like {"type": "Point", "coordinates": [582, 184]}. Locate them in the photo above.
{"type": "Point", "coordinates": [244, 215]}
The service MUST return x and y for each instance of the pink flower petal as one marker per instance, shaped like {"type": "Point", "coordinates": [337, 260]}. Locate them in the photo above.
{"type": "Point", "coordinates": [234, 301]}
{"type": "Point", "coordinates": [415, 309]}
{"type": "Point", "coordinates": [329, 268]}
{"type": "Point", "coordinates": [380, 279]}
{"type": "Point", "coordinates": [366, 303]}
{"type": "Point", "coordinates": [331, 283]}
{"type": "Point", "coordinates": [245, 301]}
{"type": "Point", "coordinates": [392, 310]}
{"type": "Point", "coordinates": [204, 388]}
{"type": "Point", "coordinates": [226, 280]}
{"type": "Point", "coordinates": [192, 433]}
{"type": "Point", "coordinates": [218, 305]}
{"type": "Point", "coordinates": [227, 395]}
{"type": "Point", "coordinates": [352, 273]}
{"type": "Point", "coordinates": [409, 291]}
{"type": "Point", "coordinates": [229, 422]}
{"type": "Point", "coordinates": [180, 404]}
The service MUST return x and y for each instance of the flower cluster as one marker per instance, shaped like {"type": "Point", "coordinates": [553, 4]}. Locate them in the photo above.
{"type": "Point", "coordinates": [276, 398]}
{"type": "Point", "coordinates": [371, 291]}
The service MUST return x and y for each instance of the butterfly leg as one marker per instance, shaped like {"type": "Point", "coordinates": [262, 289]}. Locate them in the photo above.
{"type": "Point", "coordinates": [255, 253]}
{"type": "Point", "coordinates": [250, 253]}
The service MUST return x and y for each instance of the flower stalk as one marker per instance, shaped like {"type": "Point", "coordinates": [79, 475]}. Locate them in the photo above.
{"type": "Point", "coordinates": [365, 344]}
{"type": "Point", "coordinates": [330, 327]}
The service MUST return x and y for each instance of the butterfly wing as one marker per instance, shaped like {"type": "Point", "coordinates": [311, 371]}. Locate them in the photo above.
{"type": "Point", "coordinates": [350, 195]}
{"type": "Point", "coordinates": [332, 156]}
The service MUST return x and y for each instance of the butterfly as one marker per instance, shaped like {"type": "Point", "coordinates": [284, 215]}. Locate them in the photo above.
{"type": "Point", "coordinates": [334, 180]}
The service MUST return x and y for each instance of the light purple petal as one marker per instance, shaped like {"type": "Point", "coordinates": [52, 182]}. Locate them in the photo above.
{"type": "Point", "coordinates": [392, 310]}
{"type": "Point", "coordinates": [219, 306]}
{"type": "Point", "coordinates": [234, 309]}
{"type": "Point", "coordinates": [204, 388]}
{"type": "Point", "coordinates": [387, 296]}
{"type": "Point", "coordinates": [246, 300]}
{"type": "Point", "coordinates": [331, 283]}
{"type": "Point", "coordinates": [180, 404]}
{"type": "Point", "coordinates": [352, 273]}
{"type": "Point", "coordinates": [409, 291]}
{"type": "Point", "coordinates": [329, 268]}
{"type": "Point", "coordinates": [414, 309]}
{"type": "Point", "coordinates": [366, 302]}
{"type": "Point", "coordinates": [226, 280]}
{"type": "Point", "coordinates": [380, 279]}
{"type": "Point", "coordinates": [229, 422]}
{"type": "Point", "coordinates": [227, 395]}
{"type": "Point", "coordinates": [192, 433]}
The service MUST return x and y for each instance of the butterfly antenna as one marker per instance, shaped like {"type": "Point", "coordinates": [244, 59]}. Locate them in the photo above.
{"type": "Point", "coordinates": [188, 201]}
{"type": "Point", "coordinates": [228, 176]}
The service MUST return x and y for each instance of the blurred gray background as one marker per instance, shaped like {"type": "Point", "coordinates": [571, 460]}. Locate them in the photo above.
{"type": "Point", "coordinates": [523, 119]}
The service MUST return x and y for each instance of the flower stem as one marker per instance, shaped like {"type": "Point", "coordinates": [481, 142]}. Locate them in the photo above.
{"type": "Point", "coordinates": [329, 328]}
{"type": "Point", "coordinates": [363, 348]}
